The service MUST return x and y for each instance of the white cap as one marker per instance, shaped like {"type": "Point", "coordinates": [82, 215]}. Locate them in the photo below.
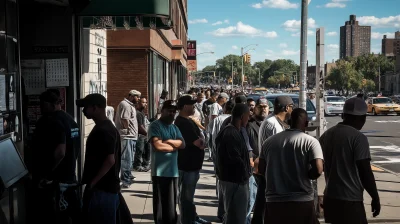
{"type": "Point", "coordinates": [135, 93]}
{"type": "Point", "coordinates": [355, 106]}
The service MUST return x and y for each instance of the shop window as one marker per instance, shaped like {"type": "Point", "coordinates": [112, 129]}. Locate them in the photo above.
{"type": "Point", "coordinates": [11, 54]}
{"type": "Point", "coordinates": [2, 16]}
{"type": "Point", "coordinates": [3, 60]}
{"type": "Point", "coordinates": [11, 18]}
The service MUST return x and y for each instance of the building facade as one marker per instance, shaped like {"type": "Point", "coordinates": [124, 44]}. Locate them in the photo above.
{"type": "Point", "coordinates": [149, 60]}
{"type": "Point", "coordinates": [355, 40]}
{"type": "Point", "coordinates": [391, 46]}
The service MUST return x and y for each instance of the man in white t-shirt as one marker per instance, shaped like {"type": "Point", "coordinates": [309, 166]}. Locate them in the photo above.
{"type": "Point", "coordinates": [347, 168]}
{"type": "Point", "coordinates": [285, 161]}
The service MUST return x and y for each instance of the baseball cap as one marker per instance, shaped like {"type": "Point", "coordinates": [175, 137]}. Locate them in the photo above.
{"type": "Point", "coordinates": [134, 92]}
{"type": "Point", "coordinates": [169, 104]}
{"type": "Point", "coordinates": [223, 95]}
{"type": "Point", "coordinates": [185, 100]}
{"type": "Point", "coordinates": [355, 106]}
{"type": "Point", "coordinates": [283, 101]}
{"type": "Point", "coordinates": [92, 99]}
{"type": "Point", "coordinates": [263, 102]}
{"type": "Point", "coordinates": [240, 99]}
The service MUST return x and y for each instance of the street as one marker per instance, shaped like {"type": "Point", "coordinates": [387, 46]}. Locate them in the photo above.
{"type": "Point", "coordinates": [383, 134]}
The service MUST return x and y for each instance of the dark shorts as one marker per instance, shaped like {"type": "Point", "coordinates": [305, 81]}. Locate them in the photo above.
{"type": "Point", "coordinates": [290, 212]}
{"type": "Point", "coordinates": [344, 212]}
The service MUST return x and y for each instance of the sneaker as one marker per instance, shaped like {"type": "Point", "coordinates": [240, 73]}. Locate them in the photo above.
{"type": "Point", "coordinates": [202, 221]}
{"type": "Point", "coordinates": [125, 186]}
{"type": "Point", "coordinates": [132, 177]}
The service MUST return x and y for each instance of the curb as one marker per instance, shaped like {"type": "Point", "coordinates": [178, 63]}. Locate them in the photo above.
{"type": "Point", "coordinates": [386, 170]}
{"type": "Point", "coordinates": [377, 220]}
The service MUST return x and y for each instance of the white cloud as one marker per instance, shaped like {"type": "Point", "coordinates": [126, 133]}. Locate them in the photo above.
{"type": "Point", "coordinates": [205, 47]}
{"type": "Point", "coordinates": [331, 34]}
{"type": "Point", "coordinates": [379, 36]}
{"type": "Point", "coordinates": [276, 4]}
{"type": "Point", "coordinates": [220, 22]}
{"type": "Point", "coordinates": [283, 45]}
{"type": "Point", "coordinates": [309, 33]}
{"type": "Point", "coordinates": [234, 47]}
{"type": "Point", "coordinates": [195, 21]}
{"type": "Point", "coordinates": [295, 25]}
{"type": "Point", "coordinates": [290, 52]}
{"type": "Point", "coordinates": [336, 4]}
{"type": "Point", "coordinates": [333, 46]}
{"type": "Point", "coordinates": [384, 22]}
{"type": "Point", "coordinates": [242, 29]}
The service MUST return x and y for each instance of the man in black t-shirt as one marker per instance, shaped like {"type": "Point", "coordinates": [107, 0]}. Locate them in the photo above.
{"type": "Point", "coordinates": [56, 145]}
{"type": "Point", "coordinates": [102, 164]}
{"type": "Point", "coordinates": [142, 155]}
{"type": "Point", "coordinates": [190, 159]}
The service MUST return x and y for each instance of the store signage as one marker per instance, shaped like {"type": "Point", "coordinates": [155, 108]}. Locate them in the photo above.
{"type": "Point", "coordinates": [191, 50]}
{"type": "Point", "coordinates": [99, 40]}
{"type": "Point", "coordinates": [55, 2]}
{"type": "Point", "coordinates": [50, 49]}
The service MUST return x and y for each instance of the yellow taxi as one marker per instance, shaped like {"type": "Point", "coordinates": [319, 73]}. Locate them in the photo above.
{"type": "Point", "coordinates": [382, 105]}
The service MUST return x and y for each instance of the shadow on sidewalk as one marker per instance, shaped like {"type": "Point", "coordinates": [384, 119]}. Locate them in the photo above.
{"type": "Point", "coordinates": [207, 172]}
{"type": "Point", "coordinates": [146, 216]}
{"type": "Point", "coordinates": [137, 191]}
{"type": "Point", "coordinates": [388, 181]}
{"type": "Point", "coordinates": [390, 191]}
{"type": "Point", "coordinates": [205, 187]}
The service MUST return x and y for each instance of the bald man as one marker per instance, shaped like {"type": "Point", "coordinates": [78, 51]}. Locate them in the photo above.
{"type": "Point", "coordinates": [289, 189]}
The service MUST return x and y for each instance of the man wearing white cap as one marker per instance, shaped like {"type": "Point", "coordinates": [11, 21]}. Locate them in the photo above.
{"type": "Point", "coordinates": [127, 125]}
{"type": "Point", "coordinates": [347, 168]}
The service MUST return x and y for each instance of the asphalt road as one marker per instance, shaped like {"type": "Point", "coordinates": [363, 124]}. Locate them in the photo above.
{"type": "Point", "coordinates": [383, 134]}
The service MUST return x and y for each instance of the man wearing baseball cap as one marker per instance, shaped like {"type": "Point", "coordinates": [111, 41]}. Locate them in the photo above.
{"type": "Point", "coordinates": [102, 163]}
{"type": "Point", "coordinates": [127, 125]}
{"type": "Point", "coordinates": [165, 139]}
{"type": "Point", "coordinates": [347, 167]}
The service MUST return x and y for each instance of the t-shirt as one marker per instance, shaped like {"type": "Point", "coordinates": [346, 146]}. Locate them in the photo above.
{"type": "Point", "coordinates": [126, 111]}
{"type": "Point", "coordinates": [103, 140]}
{"type": "Point", "coordinates": [191, 157]}
{"type": "Point", "coordinates": [287, 156]}
{"type": "Point", "coordinates": [215, 110]}
{"type": "Point", "coordinates": [232, 156]}
{"type": "Point", "coordinates": [142, 120]}
{"type": "Point", "coordinates": [253, 128]}
{"type": "Point", "coordinates": [341, 173]}
{"type": "Point", "coordinates": [52, 130]}
{"type": "Point", "coordinates": [269, 127]}
{"type": "Point", "coordinates": [216, 126]}
{"type": "Point", "coordinates": [164, 164]}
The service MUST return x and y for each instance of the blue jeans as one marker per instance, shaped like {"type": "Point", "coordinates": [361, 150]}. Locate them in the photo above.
{"type": "Point", "coordinates": [187, 187]}
{"type": "Point", "coordinates": [127, 156]}
{"type": "Point", "coordinates": [101, 207]}
{"type": "Point", "coordinates": [253, 195]}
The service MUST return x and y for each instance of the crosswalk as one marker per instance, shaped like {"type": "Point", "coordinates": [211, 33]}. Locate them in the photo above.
{"type": "Point", "coordinates": [387, 121]}
{"type": "Point", "coordinates": [387, 156]}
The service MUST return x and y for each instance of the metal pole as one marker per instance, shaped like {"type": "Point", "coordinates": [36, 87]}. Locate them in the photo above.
{"type": "Point", "coordinates": [303, 54]}
{"type": "Point", "coordinates": [320, 58]}
{"type": "Point", "coordinates": [379, 75]}
{"type": "Point", "coordinates": [232, 75]}
{"type": "Point", "coordinates": [259, 77]}
{"type": "Point", "coordinates": [242, 66]}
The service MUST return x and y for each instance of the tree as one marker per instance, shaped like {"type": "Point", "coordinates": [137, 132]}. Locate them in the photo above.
{"type": "Point", "coordinates": [282, 66]}
{"type": "Point", "coordinates": [344, 77]}
{"type": "Point", "coordinates": [370, 65]}
{"type": "Point", "coordinates": [369, 85]}
{"type": "Point", "coordinates": [209, 68]}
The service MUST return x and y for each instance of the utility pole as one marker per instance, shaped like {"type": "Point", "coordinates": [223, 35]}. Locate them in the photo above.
{"type": "Point", "coordinates": [320, 58]}
{"type": "Point", "coordinates": [241, 50]}
{"type": "Point", "coordinates": [232, 75]}
{"type": "Point", "coordinates": [379, 77]}
{"type": "Point", "coordinates": [303, 55]}
{"type": "Point", "coordinates": [259, 77]}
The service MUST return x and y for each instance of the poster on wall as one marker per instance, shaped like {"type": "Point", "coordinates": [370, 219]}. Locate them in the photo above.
{"type": "Point", "coordinates": [3, 104]}
{"type": "Point", "coordinates": [57, 72]}
{"type": "Point", "coordinates": [191, 50]}
{"type": "Point", "coordinates": [33, 112]}
{"type": "Point", "coordinates": [34, 78]}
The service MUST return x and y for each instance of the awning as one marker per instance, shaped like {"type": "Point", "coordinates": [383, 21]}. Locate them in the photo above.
{"type": "Point", "coordinates": [116, 14]}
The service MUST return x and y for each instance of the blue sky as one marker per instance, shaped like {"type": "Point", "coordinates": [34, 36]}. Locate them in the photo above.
{"type": "Point", "coordinates": [223, 26]}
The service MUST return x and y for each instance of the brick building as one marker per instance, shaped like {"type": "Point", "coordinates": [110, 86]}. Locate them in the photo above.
{"type": "Point", "coordinates": [148, 60]}
{"type": "Point", "coordinates": [391, 46]}
{"type": "Point", "coordinates": [355, 40]}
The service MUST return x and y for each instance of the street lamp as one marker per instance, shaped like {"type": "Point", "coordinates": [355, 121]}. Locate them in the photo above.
{"type": "Point", "coordinates": [259, 76]}
{"type": "Point", "coordinates": [242, 55]}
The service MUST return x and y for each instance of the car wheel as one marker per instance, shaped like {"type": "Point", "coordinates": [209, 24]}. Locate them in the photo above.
{"type": "Point", "coordinates": [374, 112]}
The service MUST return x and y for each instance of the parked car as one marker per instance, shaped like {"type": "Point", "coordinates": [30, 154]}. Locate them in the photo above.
{"type": "Point", "coordinates": [333, 105]}
{"type": "Point", "coordinates": [310, 108]}
{"type": "Point", "coordinates": [396, 99]}
{"type": "Point", "coordinates": [382, 105]}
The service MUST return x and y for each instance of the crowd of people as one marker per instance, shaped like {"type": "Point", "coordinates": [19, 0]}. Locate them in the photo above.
{"type": "Point", "coordinates": [264, 162]}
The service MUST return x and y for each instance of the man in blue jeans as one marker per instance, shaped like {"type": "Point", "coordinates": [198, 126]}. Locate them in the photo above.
{"type": "Point", "coordinates": [102, 164]}
{"type": "Point", "coordinates": [190, 160]}
{"type": "Point", "coordinates": [127, 125]}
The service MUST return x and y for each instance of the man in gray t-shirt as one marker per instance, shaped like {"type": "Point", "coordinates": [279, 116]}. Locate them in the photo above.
{"type": "Point", "coordinates": [127, 125]}
{"type": "Point", "coordinates": [288, 157]}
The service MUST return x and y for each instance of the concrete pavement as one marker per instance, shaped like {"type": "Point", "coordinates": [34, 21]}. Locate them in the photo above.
{"type": "Point", "coordinates": [139, 197]}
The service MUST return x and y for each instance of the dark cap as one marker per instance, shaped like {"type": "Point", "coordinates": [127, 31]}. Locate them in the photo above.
{"type": "Point", "coordinates": [240, 99]}
{"type": "Point", "coordinates": [92, 100]}
{"type": "Point", "coordinates": [164, 92]}
{"type": "Point", "coordinates": [283, 101]}
{"type": "Point", "coordinates": [50, 96]}
{"type": "Point", "coordinates": [169, 104]}
{"type": "Point", "coordinates": [263, 102]}
{"type": "Point", "coordinates": [185, 100]}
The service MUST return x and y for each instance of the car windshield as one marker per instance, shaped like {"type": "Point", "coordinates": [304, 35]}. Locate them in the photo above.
{"type": "Point", "coordinates": [382, 100]}
{"type": "Point", "coordinates": [309, 104]}
{"type": "Point", "coordinates": [335, 99]}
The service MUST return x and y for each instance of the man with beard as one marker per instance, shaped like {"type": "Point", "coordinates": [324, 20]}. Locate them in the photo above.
{"type": "Point", "coordinates": [190, 160]}
{"type": "Point", "coordinates": [261, 110]}
{"type": "Point", "coordinates": [251, 103]}
{"type": "Point", "coordinates": [127, 125]}
{"type": "Point", "coordinates": [142, 155]}
{"type": "Point", "coordinates": [273, 124]}
{"type": "Point", "coordinates": [165, 139]}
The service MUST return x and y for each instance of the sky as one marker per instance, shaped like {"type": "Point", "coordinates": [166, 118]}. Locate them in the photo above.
{"type": "Point", "coordinates": [224, 26]}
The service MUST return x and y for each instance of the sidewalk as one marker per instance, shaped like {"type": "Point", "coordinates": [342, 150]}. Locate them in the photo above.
{"type": "Point", "coordinates": [139, 197]}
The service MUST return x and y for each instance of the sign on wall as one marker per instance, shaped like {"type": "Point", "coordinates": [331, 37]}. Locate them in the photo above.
{"type": "Point", "coordinates": [191, 50]}
{"type": "Point", "coordinates": [192, 65]}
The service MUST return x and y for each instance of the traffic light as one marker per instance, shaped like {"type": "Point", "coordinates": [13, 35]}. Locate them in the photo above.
{"type": "Point", "coordinates": [245, 58]}
{"type": "Point", "coordinates": [248, 58]}
{"type": "Point", "coordinates": [230, 80]}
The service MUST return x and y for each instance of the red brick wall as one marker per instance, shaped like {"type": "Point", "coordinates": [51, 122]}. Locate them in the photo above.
{"type": "Point", "coordinates": [126, 70]}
